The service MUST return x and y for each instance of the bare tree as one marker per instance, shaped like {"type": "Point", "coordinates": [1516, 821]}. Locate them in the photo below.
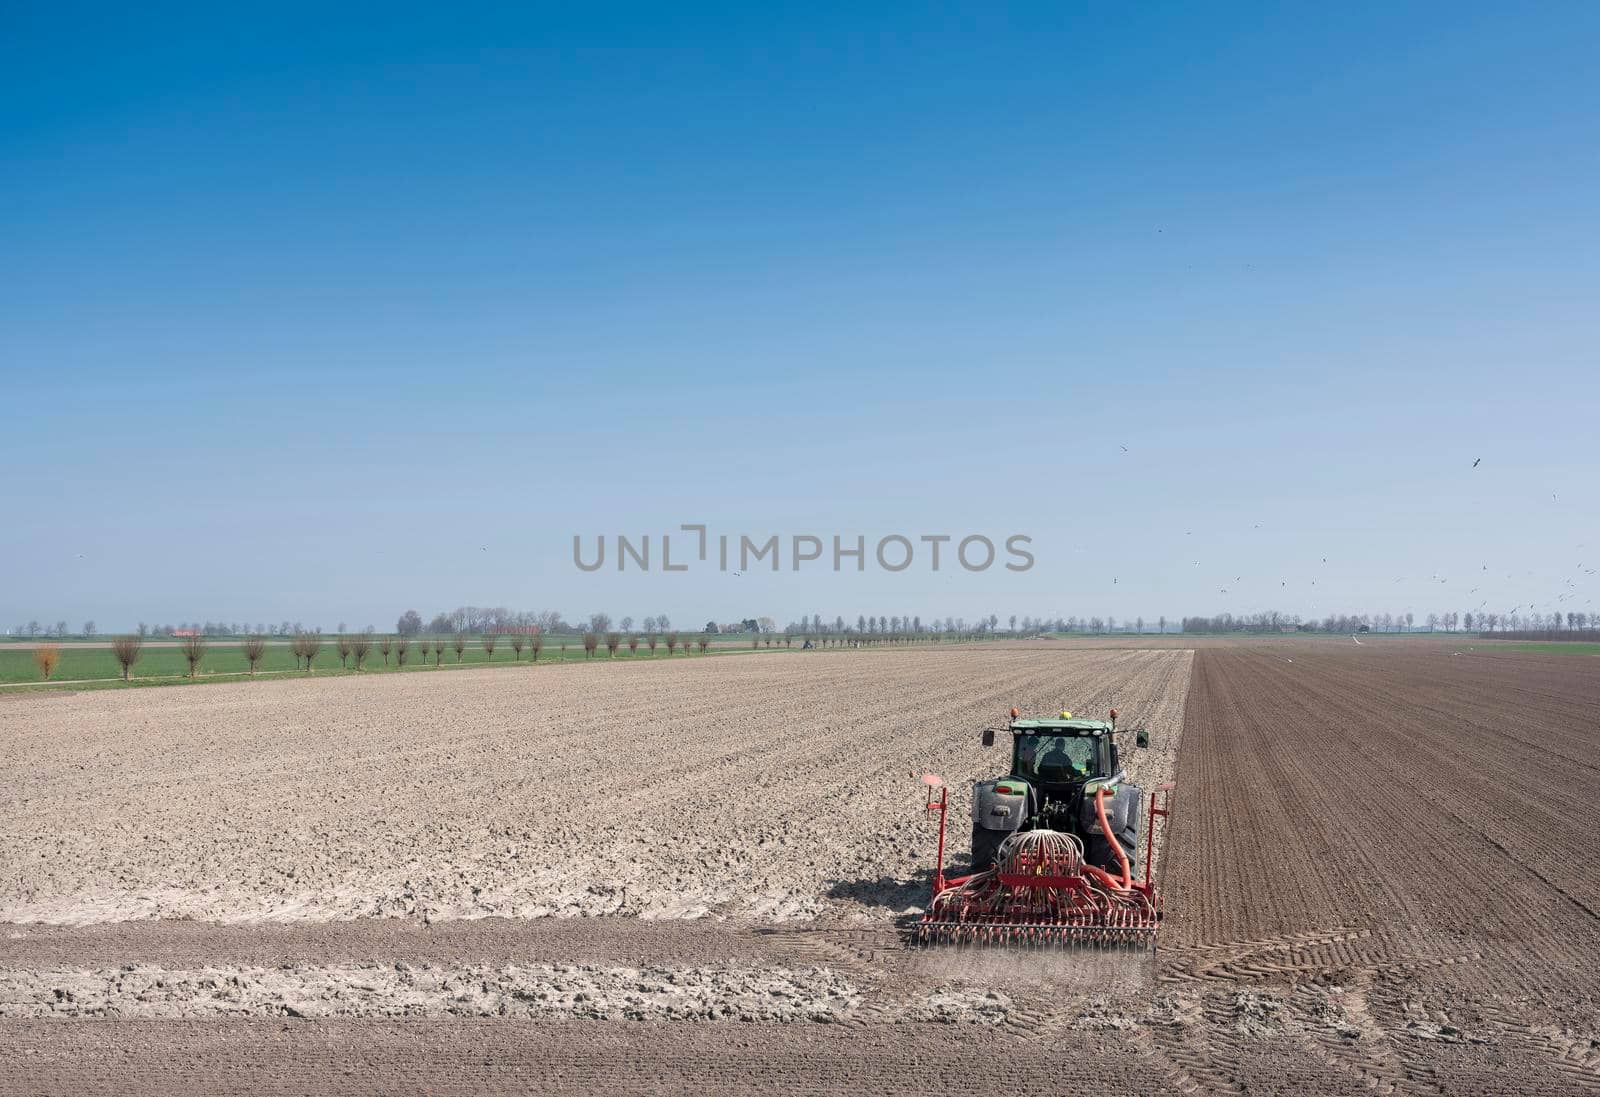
{"type": "Point", "coordinates": [633, 643]}
{"type": "Point", "coordinates": [254, 648]}
{"type": "Point", "coordinates": [402, 648]}
{"type": "Point", "coordinates": [672, 643]}
{"type": "Point", "coordinates": [705, 642]}
{"type": "Point", "coordinates": [590, 643]}
{"type": "Point", "coordinates": [651, 642]}
{"type": "Point", "coordinates": [126, 650]}
{"type": "Point", "coordinates": [362, 647]}
{"type": "Point", "coordinates": [535, 646]}
{"type": "Point", "coordinates": [88, 630]}
{"type": "Point", "coordinates": [194, 650]}
{"type": "Point", "coordinates": [342, 645]}
{"type": "Point", "coordinates": [613, 641]}
{"type": "Point", "coordinates": [312, 648]}
{"type": "Point", "coordinates": [46, 656]}
{"type": "Point", "coordinates": [438, 650]}
{"type": "Point", "coordinates": [384, 645]}
{"type": "Point", "coordinates": [459, 644]}
{"type": "Point", "coordinates": [627, 624]}
{"type": "Point", "coordinates": [489, 642]}
{"type": "Point", "coordinates": [518, 642]}
{"type": "Point", "coordinates": [599, 623]}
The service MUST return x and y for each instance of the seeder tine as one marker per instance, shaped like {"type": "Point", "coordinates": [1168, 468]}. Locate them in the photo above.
{"type": "Point", "coordinates": [1036, 918]}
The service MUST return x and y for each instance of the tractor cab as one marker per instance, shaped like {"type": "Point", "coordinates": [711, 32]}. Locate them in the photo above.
{"type": "Point", "coordinates": [1061, 752]}
{"type": "Point", "coordinates": [1057, 767]}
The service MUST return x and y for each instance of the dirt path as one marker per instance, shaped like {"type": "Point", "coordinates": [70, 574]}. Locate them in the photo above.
{"type": "Point", "coordinates": [673, 1007]}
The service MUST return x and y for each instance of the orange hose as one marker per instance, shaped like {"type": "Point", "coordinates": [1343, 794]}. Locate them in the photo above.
{"type": "Point", "coordinates": [1122, 856]}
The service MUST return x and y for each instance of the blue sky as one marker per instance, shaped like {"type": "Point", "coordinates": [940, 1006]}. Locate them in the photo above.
{"type": "Point", "coordinates": [325, 313]}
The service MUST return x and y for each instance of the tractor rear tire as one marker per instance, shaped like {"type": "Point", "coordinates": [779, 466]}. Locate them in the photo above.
{"type": "Point", "coordinates": [985, 845]}
{"type": "Point", "coordinates": [1099, 854]}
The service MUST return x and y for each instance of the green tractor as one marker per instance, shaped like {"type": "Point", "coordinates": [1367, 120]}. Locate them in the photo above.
{"type": "Point", "coordinates": [1058, 765]}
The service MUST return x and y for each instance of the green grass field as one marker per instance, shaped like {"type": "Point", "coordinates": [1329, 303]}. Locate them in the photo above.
{"type": "Point", "coordinates": [1546, 647]}
{"type": "Point", "coordinates": [226, 661]}
{"type": "Point", "coordinates": [162, 661]}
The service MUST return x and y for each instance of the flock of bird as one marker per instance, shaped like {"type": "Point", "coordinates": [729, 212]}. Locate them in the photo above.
{"type": "Point", "coordinates": [1571, 592]}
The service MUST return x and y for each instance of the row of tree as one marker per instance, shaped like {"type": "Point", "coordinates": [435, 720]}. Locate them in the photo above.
{"type": "Point", "coordinates": [476, 621]}
{"type": "Point", "coordinates": [498, 620]}
{"type": "Point", "coordinates": [1452, 621]}
{"type": "Point", "coordinates": [33, 630]}
{"type": "Point", "coordinates": [213, 629]}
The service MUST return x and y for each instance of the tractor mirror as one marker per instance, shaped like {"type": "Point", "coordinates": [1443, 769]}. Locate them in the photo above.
{"type": "Point", "coordinates": [1141, 738]}
{"type": "Point", "coordinates": [988, 737]}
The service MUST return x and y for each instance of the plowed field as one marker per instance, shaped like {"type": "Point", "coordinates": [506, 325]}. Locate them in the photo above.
{"type": "Point", "coordinates": [694, 878]}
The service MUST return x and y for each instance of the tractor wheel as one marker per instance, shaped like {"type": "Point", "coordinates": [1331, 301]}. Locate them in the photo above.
{"type": "Point", "coordinates": [985, 845]}
{"type": "Point", "coordinates": [1100, 855]}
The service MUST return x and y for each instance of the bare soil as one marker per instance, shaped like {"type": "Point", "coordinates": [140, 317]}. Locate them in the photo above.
{"type": "Point", "coordinates": [1381, 880]}
{"type": "Point", "coordinates": [779, 787]}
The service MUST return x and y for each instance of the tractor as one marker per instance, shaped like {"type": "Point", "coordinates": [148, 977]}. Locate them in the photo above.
{"type": "Point", "coordinates": [1055, 843]}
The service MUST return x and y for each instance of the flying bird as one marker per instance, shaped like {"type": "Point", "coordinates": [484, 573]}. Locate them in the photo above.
{"type": "Point", "coordinates": [1475, 463]}
{"type": "Point", "coordinates": [1358, 641]}
{"type": "Point", "coordinates": [1124, 449]}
